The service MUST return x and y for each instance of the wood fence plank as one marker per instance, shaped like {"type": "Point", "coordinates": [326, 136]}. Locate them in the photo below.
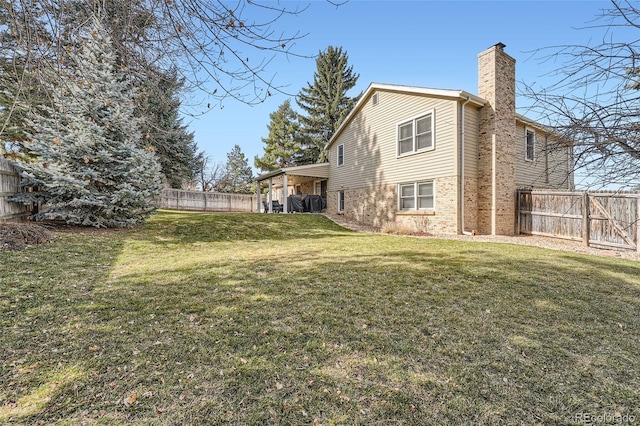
{"type": "Point", "coordinates": [612, 221]}
{"type": "Point", "coordinates": [586, 222]}
{"type": "Point", "coordinates": [9, 185]}
{"type": "Point", "coordinates": [177, 199]}
{"type": "Point", "coordinates": [638, 225]}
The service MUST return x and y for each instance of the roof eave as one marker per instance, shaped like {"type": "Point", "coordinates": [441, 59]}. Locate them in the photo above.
{"type": "Point", "coordinates": [289, 170]}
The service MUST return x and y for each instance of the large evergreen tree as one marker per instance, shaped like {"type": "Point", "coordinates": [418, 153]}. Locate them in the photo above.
{"type": "Point", "coordinates": [238, 176]}
{"type": "Point", "coordinates": [325, 102]}
{"type": "Point", "coordinates": [158, 106]}
{"type": "Point", "coordinates": [26, 63]}
{"type": "Point", "coordinates": [158, 90]}
{"type": "Point", "coordinates": [12, 113]}
{"type": "Point", "coordinates": [88, 168]}
{"type": "Point", "coordinates": [283, 146]}
{"type": "Point", "coordinates": [19, 77]}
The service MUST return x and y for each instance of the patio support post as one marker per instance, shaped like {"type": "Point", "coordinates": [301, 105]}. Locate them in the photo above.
{"type": "Point", "coordinates": [285, 189]}
{"type": "Point", "coordinates": [270, 196]}
{"type": "Point", "coordinates": [258, 197]}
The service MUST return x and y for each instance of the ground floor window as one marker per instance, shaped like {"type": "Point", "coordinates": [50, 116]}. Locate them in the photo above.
{"type": "Point", "coordinates": [416, 196]}
{"type": "Point", "coordinates": [341, 201]}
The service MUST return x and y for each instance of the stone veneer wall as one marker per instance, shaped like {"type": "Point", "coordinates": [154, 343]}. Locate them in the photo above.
{"type": "Point", "coordinates": [369, 206]}
{"type": "Point", "coordinates": [496, 148]}
{"type": "Point", "coordinates": [306, 187]}
{"type": "Point", "coordinates": [470, 204]}
{"type": "Point", "coordinates": [378, 206]}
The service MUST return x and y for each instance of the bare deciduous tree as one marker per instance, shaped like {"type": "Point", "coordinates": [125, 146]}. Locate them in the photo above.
{"type": "Point", "coordinates": [219, 49]}
{"type": "Point", "coordinates": [210, 175]}
{"type": "Point", "coordinates": [595, 100]}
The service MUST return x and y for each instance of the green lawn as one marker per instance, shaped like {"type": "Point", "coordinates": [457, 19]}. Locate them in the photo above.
{"type": "Point", "coordinates": [256, 319]}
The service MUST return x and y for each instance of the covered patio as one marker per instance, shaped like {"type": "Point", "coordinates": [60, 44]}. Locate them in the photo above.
{"type": "Point", "coordinates": [283, 183]}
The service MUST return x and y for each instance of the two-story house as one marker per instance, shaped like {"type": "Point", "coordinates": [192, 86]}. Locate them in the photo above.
{"type": "Point", "coordinates": [440, 161]}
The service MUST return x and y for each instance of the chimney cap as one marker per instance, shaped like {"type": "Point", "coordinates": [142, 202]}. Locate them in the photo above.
{"type": "Point", "coordinates": [500, 45]}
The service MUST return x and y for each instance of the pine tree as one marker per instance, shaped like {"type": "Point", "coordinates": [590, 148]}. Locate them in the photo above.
{"type": "Point", "coordinates": [12, 114]}
{"type": "Point", "coordinates": [18, 77]}
{"type": "Point", "coordinates": [238, 177]}
{"type": "Point", "coordinates": [284, 143]}
{"type": "Point", "coordinates": [158, 106]}
{"type": "Point", "coordinates": [89, 169]}
{"type": "Point", "coordinates": [325, 101]}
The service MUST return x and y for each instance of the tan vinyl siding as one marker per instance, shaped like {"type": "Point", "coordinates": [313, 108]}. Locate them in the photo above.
{"type": "Point", "coordinates": [370, 143]}
{"type": "Point", "coordinates": [471, 133]}
{"type": "Point", "coordinates": [550, 168]}
{"type": "Point", "coordinates": [560, 167]}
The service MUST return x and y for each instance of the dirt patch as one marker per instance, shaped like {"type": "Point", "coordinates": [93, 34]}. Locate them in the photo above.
{"type": "Point", "coordinates": [18, 236]}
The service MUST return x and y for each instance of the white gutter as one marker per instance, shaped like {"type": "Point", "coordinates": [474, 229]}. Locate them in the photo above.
{"type": "Point", "coordinates": [462, 172]}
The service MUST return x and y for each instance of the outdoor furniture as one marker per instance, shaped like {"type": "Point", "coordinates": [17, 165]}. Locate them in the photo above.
{"type": "Point", "coordinates": [314, 203]}
{"type": "Point", "coordinates": [275, 204]}
{"type": "Point", "coordinates": [295, 204]}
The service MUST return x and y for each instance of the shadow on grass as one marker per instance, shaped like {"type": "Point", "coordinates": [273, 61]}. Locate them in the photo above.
{"type": "Point", "coordinates": [362, 329]}
{"type": "Point", "coordinates": [596, 263]}
{"type": "Point", "coordinates": [43, 357]}
{"type": "Point", "coordinates": [394, 333]}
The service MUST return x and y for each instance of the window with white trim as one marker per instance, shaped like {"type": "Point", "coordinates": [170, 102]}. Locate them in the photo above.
{"type": "Point", "coordinates": [416, 134]}
{"type": "Point", "coordinates": [416, 196]}
{"type": "Point", "coordinates": [340, 155]}
{"type": "Point", "coordinates": [529, 145]}
{"type": "Point", "coordinates": [340, 201]}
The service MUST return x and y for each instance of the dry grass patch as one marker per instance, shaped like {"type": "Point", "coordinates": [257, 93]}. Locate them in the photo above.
{"type": "Point", "coordinates": [290, 319]}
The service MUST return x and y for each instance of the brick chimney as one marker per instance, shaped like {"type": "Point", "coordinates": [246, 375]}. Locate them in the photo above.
{"type": "Point", "coordinates": [497, 144]}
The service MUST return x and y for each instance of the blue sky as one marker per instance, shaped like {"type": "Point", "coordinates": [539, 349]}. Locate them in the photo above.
{"type": "Point", "coordinates": [418, 43]}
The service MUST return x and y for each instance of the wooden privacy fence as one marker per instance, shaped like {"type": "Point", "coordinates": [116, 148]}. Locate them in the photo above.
{"type": "Point", "coordinates": [9, 185]}
{"type": "Point", "coordinates": [606, 219]}
{"type": "Point", "coordinates": [178, 199]}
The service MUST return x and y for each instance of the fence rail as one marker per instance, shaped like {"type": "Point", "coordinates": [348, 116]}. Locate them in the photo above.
{"type": "Point", "coordinates": [606, 219]}
{"type": "Point", "coordinates": [178, 199]}
{"type": "Point", "coordinates": [9, 185]}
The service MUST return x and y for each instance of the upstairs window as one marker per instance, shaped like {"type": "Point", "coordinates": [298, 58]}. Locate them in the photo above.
{"type": "Point", "coordinates": [340, 155]}
{"type": "Point", "coordinates": [416, 135]}
{"type": "Point", "coordinates": [529, 145]}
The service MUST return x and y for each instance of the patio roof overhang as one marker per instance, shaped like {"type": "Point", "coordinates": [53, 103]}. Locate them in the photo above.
{"type": "Point", "coordinates": [290, 176]}
{"type": "Point", "coordinates": [296, 174]}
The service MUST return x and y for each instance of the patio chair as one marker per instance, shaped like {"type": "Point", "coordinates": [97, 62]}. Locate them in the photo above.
{"type": "Point", "coordinates": [277, 207]}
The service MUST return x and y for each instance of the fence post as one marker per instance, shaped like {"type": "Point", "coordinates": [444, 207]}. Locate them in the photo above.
{"type": "Point", "coordinates": [585, 219]}
{"type": "Point", "coordinates": [638, 224]}
{"type": "Point", "coordinates": [518, 211]}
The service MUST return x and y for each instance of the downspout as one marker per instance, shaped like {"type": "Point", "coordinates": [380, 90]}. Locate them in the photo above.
{"type": "Point", "coordinates": [462, 172]}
